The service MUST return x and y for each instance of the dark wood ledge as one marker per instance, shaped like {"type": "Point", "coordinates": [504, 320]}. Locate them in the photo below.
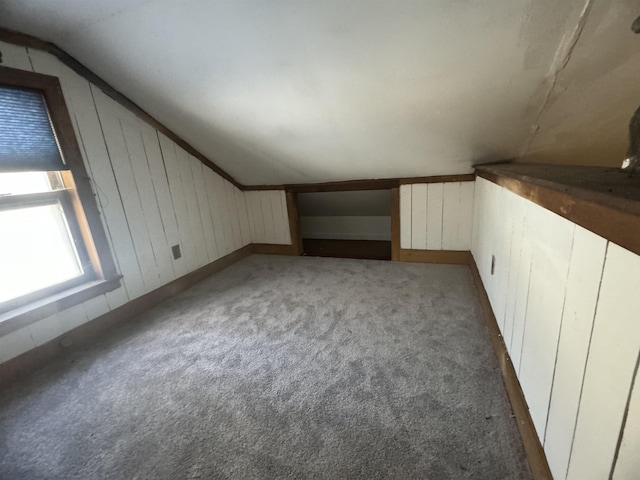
{"type": "Point", "coordinates": [605, 201]}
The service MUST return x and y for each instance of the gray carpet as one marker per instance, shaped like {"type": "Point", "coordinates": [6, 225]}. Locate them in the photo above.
{"type": "Point", "coordinates": [278, 367]}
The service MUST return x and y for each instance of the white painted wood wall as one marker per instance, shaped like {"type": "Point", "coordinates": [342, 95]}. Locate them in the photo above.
{"type": "Point", "coordinates": [151, 194]}
{"type": "Point", "coordinates": [568, 306]}
{"type": "Point", "coordinates": [268, 216]}
{"type": "Point", "coordinates": [436, 216]}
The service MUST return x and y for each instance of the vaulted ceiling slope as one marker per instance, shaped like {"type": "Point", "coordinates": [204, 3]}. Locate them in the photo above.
{"type": "Point", "coordinates": [293, 92]}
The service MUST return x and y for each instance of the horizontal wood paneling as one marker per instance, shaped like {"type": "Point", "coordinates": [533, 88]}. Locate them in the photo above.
{"type": "Point", "coordinates": [152, 194]}
{"type": "Point", "coordinates": [436, 216]}
{"type": "Point", "coordinates": [566, 299]}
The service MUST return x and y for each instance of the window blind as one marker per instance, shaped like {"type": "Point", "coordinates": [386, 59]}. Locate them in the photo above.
{"type": "Point", "coordinates": [27, 141]}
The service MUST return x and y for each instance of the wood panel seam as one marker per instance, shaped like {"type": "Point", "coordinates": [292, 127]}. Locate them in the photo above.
{"type": "Point", "coordinates": [531, 442]}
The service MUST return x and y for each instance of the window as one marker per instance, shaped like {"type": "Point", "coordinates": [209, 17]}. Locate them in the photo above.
{"type": "Point", "coordinates": [53, 249]}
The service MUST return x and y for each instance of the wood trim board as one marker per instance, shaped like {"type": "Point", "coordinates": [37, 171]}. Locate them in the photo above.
{"type": "Point", "coordinates": [365, 184]}
{"type": "Point", "coordinates": [617, 222]}
{"type": "Point", "coordinates": [274, 249]}
{"type": "Point", "coordinates": [294, 223]}
{"type": "Point", "coordinates": [90, 331]}
{"type": "Point", "coordinates": [531, 442]}
{"type": "Point", "coordinates": [447, 257]}
{"type": "Point", "coordinates": [471, 177]}
{"type": "Point", "coordinates": [395, 224]}
{"type": "Point", "coordinates": [254, 188]}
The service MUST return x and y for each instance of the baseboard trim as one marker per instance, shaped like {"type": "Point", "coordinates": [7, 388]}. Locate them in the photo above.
{"type": "Point", "coordinates": [532, 446]}
{"type": "Point", "coordinates": [38, 357]}
{"type": "Point", "coordinates": [273, 249]}
{"type": "Point", "coordinates": [449, 257]}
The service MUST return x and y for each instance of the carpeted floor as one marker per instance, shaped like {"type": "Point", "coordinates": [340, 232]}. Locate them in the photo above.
{"type": "Point", "coordinates": [278, 367]}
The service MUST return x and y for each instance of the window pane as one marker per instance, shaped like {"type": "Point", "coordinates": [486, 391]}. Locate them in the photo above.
{"type": "Point", "coordinates": [27, 141]}
{"type": "Point", "coordinates": [24, 182]}
{"type": "Point", "coordinates": [36, 250]}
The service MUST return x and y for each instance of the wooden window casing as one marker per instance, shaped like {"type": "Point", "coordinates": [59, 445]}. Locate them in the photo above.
{"type": "Point", "coordinates": [81, 212]}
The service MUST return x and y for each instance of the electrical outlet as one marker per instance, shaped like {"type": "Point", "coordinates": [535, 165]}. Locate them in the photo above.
{"type": "Point", "coordinates": [176, 252]}
{"type": "Point", "coordinates": [493, 264]}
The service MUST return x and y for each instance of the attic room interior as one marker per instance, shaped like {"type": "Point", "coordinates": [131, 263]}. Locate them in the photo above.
{"type": "Point", "coordinates": [333, 239]}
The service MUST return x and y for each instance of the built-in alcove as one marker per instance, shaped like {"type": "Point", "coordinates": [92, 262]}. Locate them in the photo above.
{"type": "Point", "coordinates": [351, 224]}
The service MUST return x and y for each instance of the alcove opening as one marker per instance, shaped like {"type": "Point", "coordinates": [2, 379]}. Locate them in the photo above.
{"type": "Point", "coordinates": [348, 224]}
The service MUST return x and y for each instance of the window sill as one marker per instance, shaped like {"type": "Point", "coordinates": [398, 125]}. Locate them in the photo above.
{"type": "Point", "coordinates": [28, 314]}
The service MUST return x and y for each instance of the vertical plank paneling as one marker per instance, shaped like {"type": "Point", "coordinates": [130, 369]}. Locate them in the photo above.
{"type": "Point", "coordinates": [610, 367]}
{"type": "Point", "coordinates": [279, 221]}
{"type": "Point", "coordinates": [267, 215]}
{"type": "Point", "coordinates": [160, 183]}
{"type": "Point", "coordinates": [499, 248]}
{"type": "Point", "coordinates": [233, 213]}
{"type": "Point", "coordinates": [15, 343]}
{"type": "Point", "coordinates": [80, 102]}
{"type": "Point", "coordinates": [286, 234]}
{"type": "Point", "coordinates": [129, 196]}
{"type": "Point", "coordinates": [504, 259]}
{"type": "Point", "coordinates": [419, 216]}
{"type": "Point", "coordinates": [481, 228]}
{"type": "Point", "coordinates": [489, 245]}
{"type": "Point", "coordinates": [249, 202]}
{"type": "Point", "coordinates": [583, 284]}
{"type": "Point", "coordinates": [516, 208]}
{"type": "Point", "coordinates": [204, 210]}
{"type": "Point", "coordinates": [405, 216]}
{"type": "Point", "coordinates": [14, 56]}
{"type": "Point", "coordinates": [96, 306]}
{"type": "Point", "coordinates": [628, 463]}
{"type": "Point", "coordinates": [465, 229]}
{"type": "Point", "coordinates": [144, 186]}
{"type": "Point", "coordinates": [216, 217]}
{"type": "Point", "coordinates": [522, 289]}
{"type": "Point", "coordinates": [435, 197]}
{"type": "Point", "coordinates": [42, 331]}
{"type": "Point", "coordinates": [223, 209]}
{"type": "Point", "coordinates": [451, 215]}
{"type": "Point", "coordinates": [179, 203]}
{"type": "Point", "coordinates": [245, 231]}
{"type": "Point", "coordinates": [551, 254]}
{"type": "Point", "coordinates": [258, 218]}
{"type": "Point", "coordinates": [200, 255]}
{"type": "Point", "coordinates": [71, 318]}
{"type": "Point", "coordinates": [261, 223]}
{"type": "Point", "coordinates": [151, 195]}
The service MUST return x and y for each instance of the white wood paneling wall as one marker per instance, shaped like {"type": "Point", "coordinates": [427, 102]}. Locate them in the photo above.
{"type": "Point", "coordinates": [436, 216]}
{"type": "Point", "coordinates": [567, 304]}
{"type": "Point", "coordinates": [151, 195]}
{"type": "Point", "coordinates": [268, 219]}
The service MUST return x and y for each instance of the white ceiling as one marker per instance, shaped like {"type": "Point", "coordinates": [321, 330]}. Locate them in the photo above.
{"type": "Point", "coordinates": [309, 91]}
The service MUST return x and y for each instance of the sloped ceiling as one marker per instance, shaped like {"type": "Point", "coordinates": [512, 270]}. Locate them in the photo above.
{"type": "Point", "coordinates": [310, 91]}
